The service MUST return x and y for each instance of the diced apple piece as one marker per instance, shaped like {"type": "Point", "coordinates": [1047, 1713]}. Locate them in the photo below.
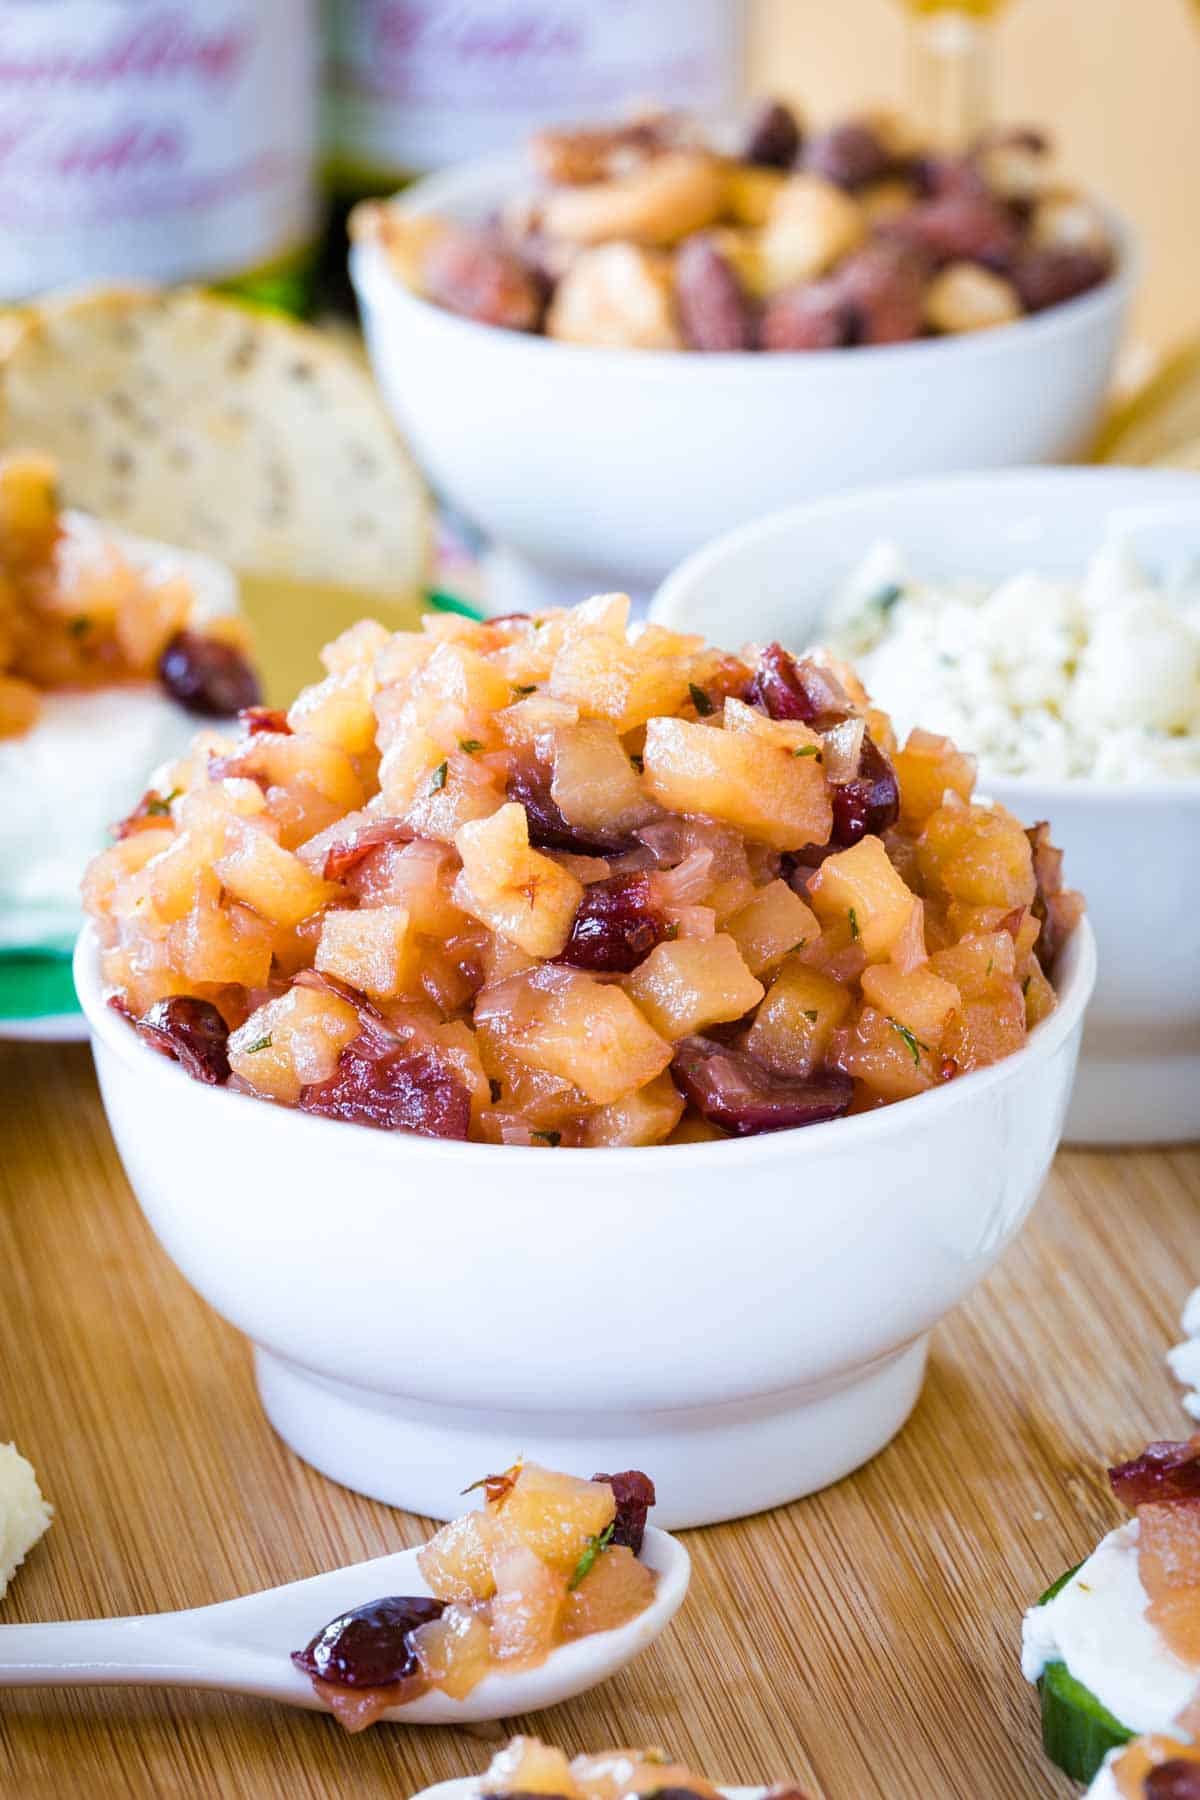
{"type": "Point", "coordinates": [526, 1766]}
{"type": "Point", "coordinates": [645, 1117]}
{"type": "Point", "coordinates": [370, 947]}
{"type": "Point", "coordinates": [148, 616]}
{"type": "Point", "coordinates": [977, 964]}
{"type": "Point", "coordinates": [277, 759]}
{"type": "Point", "coordinates": [272, 880]}
{"type": "Point", "coordinates": [459, 676]}
{"type": "Point", "coordinates": [575, 1028]}
{"type": "Point", "coordinates": [771, 795]}
{"type": "Point", "coordinates": [20, 703]}
{"type": "Point", "coordinates": [771, 926]}
{"type": "Point", "coordinates": [861, 886]}
{"type": "Point", "coordinates": [513, 889]}
{"type": "Point", "coordinates": [338, 711]}
{"type": "Point", "coordinates": [454, 1651]}
{"type": "Point", "coordinates": [922, 1000]}
{"type": "Point", "coordinates": [595, 786]}
{"type": "Point", "coordinates": [457, 1560]}
{"type": "Point", "coordinates": [985, 1031]}
{"type": "Point", "coordinates": [887, 1056]}
{"type": "Point", "coordinates": [608, 678]}
{"type": "Point", "coordinates": [434, 792]}
{"type": "Point", "coordinates": [291, 1042]}
{"type": "Point", "coordinates": [979, 854]}
{"type": "Point", "coordinates": [527, 1608]}
{"type": "Point", "coordinates": [356, 647]}
{"type": "Point", "coordinates": [554, 1514]}
{"type": "Point", "coordinates": [615, 1589]}
{"type": "Point", "coordinates": [221, 944]}
{"type": "Point", "coordinates": [926, 768]}
{"type": "Point", "coordinates": [793, 1026]}
{"type": "Point", "coordinates": [687, 984]}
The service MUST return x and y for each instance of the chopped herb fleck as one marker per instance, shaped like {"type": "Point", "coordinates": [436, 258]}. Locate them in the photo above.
{"type": "Point", "coordinates": [469, 745]}
{"type": "Point", "coordinates": [553, 1138]}
{"type": "Point", "coordinates": [639, 763]}
{"type": "Point", "coordinates": [496, 1089]}
{"type": "Point", "coordinates": [262, 1043]}
{"type": "Point", "coordinates": [855, 933]}
{"type": "Point", "coordinates": [807, 750]}
{"type": "Point", "coordinates": [700, 700]}
{"type": "Point", "coordinates": [798, 945]}
{"type": "Point", "coordinates": [1025, 984]}
{"type": "Point", "coordinates": [160, 804]}
{"type": "Point", "coordinates": [672, 931]}
{"type": "Point", "coordinates": [810, 1014]}
{"type": "Point", "coordinates": [524, 687]}
{"type": "Point", "coordinates": [914, 1043]}
{"type": "Point", "coordinates": [81, 626]}
{"type": "Point", "coordinates": [594, 1547]}
{"type": "Point", "coordinates": [886, 597]}
{"type": "Point", "coordinates": [991, 965]}
{"type": "Point", "coordinates": [438, 781]}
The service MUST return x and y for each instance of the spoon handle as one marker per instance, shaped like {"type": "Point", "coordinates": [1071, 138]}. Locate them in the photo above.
{"type": "Point", "coordinates": [104, 1652]}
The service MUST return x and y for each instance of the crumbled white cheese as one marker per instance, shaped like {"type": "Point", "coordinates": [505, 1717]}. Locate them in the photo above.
{"type": "Point", "coordinates": [1097, 1625]}
{"type": "Point", "coordinates": [1104, 1784]}
{"type": "Point", "coordinates": [1038, 676]}
{"type": "Point", "coordinates": [24, 1515]}
{"type": "Point", "coordinates": [1183, 1360]}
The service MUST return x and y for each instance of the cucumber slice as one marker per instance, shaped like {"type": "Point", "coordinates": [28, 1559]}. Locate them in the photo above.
{"type": "Point", "coordinates": [1077, 1732]}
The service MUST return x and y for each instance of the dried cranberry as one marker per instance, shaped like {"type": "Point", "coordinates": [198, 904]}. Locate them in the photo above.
{"type": "Point", "coordinates": [1165, 1472]}
{"type": "Point", "coordinates": [615, 927]}
{"type": "Point", "coordinates": [254, 719]}
{"type": "Point", "coordinates": [734, 1091]}
{"type": "Point", "coordinates": [868, 803]}
{"type": "Point", "coordinates": [1178, 1779]}
{"type": "Point", "coordinates": [208, 676]}
{"type": "Point", "coordinates": [549, 828]}
{"type": "Point", "coordinates": [342, 858]}
{"type": "Point", "coordinates": [1048, 277]}
{"type": "Point", "coordinates": [371, 1646]}
{"type": "Point", "coordinates": [851, 155]}
{"type": "Point", "coordinates": [773, 136]}
{"type": "Point", "coordinates": [787, 688]}
{"type": "Point", "coordinates": [813, 315]}
{"type": "Point", "coordinates": [394, 1089]}
{"type": "Point", "coordinates": [713, 310]}
{"type": "Point", "coordinates": [191, 1032]}
{"type": "Point", "coordinates": [635, 1496]}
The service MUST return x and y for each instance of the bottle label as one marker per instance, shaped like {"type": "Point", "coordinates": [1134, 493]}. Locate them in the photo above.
{"type": "Point", "coordinates": [149, 140]}
{"type": "Point", "coordinates": [415, 84]}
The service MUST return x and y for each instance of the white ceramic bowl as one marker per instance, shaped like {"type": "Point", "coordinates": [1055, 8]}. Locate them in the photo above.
{"type": "Point", "coordinates": [1134, 851]}
{"type": "Point", "coordinates": [745, 1320]}
{"type": "Point", "coordinates": [603, 467]}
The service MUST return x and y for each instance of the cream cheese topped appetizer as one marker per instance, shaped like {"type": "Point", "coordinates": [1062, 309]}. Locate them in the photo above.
{"type": "Point", "coordinates": [1151, 1768]}
{"type": "Point", "coordinates": [526, 1767]}
{"type": "Point", "coordinates": [1114, 1646]}
{"type": "Point", "coordinates": [112, 648]}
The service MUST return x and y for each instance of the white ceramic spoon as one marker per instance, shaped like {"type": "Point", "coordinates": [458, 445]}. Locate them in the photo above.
{"type": "Point", "coordinates": [244, 1646]}
{"type": "Point", "coordinates": [472, 1787]}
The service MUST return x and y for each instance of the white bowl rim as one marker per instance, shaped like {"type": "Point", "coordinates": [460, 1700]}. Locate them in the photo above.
{"type": "Point", "coordinates": [1076, 978]}
{"type": "Point", "coordinates": [1160, 791]}
{"type": "Point", "coordinates": [446, 187]}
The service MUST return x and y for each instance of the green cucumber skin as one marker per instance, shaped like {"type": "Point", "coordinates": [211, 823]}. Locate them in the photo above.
{"type": "Point", "coordinates": [1077, 1732]}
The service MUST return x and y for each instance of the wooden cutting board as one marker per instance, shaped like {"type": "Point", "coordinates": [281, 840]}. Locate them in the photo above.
{"type": "Point", "coordinates": [863, 1641]}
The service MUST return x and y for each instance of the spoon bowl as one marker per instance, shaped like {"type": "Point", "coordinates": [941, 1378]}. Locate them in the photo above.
{"type": "Point", "coordinates": [244, 1646]}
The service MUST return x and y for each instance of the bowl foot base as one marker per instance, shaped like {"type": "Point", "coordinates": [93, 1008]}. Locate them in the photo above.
{"type": "Point", "coordinates": [1138, 1100]}
{"type": "Point", "coordinates": [709, 1463]}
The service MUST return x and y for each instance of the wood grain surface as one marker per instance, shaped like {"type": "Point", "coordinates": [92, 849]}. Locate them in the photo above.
{"type": "Point", "coordinates": [863, 1641]}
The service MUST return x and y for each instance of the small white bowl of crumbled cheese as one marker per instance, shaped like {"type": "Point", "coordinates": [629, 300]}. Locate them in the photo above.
{"type": "Point", "coordinates": [1049, 621]}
